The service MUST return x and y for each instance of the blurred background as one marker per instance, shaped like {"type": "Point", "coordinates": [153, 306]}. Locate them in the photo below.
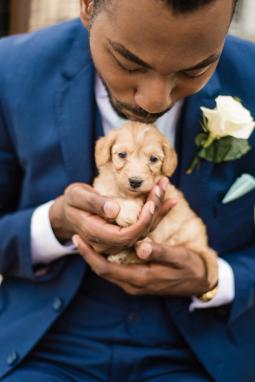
{"type": "Point", "coordinates": [18, 16]}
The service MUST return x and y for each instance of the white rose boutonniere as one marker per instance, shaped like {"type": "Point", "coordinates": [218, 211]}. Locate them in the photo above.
{"type": "Point", "coordinates": [226, 130]}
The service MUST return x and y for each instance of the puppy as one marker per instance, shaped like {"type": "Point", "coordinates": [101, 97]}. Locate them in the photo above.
{"type": "Point", "coordinates": [131, 160]}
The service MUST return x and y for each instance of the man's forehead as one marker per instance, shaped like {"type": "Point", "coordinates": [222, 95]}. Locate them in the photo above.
{"type": "Point", "coordinates": [148, 30]}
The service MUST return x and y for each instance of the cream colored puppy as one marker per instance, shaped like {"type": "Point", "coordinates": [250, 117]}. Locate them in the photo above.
{"type": "Point", "coordinates": [131, 160]}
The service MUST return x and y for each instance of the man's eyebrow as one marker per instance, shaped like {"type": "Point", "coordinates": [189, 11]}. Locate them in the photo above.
{"type": "Point", "coordinates": [127, 54]}
{"type": "Point", "coordinates": [119, 48]}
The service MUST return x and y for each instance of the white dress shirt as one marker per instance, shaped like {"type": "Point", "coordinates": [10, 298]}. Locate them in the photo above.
{"type": "Point", "coordinates": [45, 246]}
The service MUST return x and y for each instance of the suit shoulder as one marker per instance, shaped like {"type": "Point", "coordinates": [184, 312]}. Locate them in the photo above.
{"type": "Point", "coordinates": [235, 46]}
{"type": "Point", "coordinates": [236, 69]}
{"type": "Point", "coordinates": [238, 56]}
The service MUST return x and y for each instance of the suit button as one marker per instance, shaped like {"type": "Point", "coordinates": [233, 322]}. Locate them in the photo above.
{"type": "Point", "coordinates": [57, 304]}
{"type": "Point", "coordinates": [133, 318]}
{"type": "Point", "coordinates": [12, 358]}
{"type": "Point", "coordinates": [222, 311]}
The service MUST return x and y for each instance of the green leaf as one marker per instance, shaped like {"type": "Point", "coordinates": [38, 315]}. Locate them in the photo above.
{"type": "Point", "coordinates": [225, 149]}
{"type": "Point", "coordinates": [200, 139]}
{"type": "Point", "coordinates": [204, 123]}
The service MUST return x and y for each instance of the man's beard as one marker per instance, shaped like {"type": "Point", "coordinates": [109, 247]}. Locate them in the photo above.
{"type": "Point", "coordinates": [136, 113]}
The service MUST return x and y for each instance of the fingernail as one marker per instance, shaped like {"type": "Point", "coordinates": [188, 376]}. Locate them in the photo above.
{"type": "Point", "coordinates": [111, 209]}
{"type": "Point", "coordinates": [157, 191]}
{"type": "Point", "coordinates": [145, 251]}
{"type": "Point", "coordinates": [151, 207]}
{"type": "Point", "coordinates": [174, 202]}
{"type": "Point", "coordinates": [75, 241]}
{"type": "Point", "coordinates": [165, 183]}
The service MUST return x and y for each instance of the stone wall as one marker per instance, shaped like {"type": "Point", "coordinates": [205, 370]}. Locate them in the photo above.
{"type": "Point", "coordinates": [47, 12]}
{"type": "Point", "coordinates": [244, 20]}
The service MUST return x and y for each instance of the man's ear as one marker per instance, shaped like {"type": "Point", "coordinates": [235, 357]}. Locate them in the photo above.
{"type": "Point", "coordinates": [104, 148]}
{"type": "Point", "coordinates": [170, 159]}
{"type": "Point", "coordinates": [86, 12]}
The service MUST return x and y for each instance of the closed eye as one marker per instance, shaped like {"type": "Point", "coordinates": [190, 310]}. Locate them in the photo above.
{"type": "Point", "coordinates": [196, 73]}
{"type": "Point", "coordinates": [129, 70]}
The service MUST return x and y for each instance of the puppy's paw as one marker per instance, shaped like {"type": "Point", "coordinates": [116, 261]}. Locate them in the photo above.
{"type": "Point", "coordinates": [129, 213]}
{"type": "Point", "coordinates": [127, 256]}
{"type": "Point", "coordinates": [120, 258]}
{"type": "Point", "coordinates": [174, 240]}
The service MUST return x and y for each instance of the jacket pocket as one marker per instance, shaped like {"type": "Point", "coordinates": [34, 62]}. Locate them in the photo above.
{"type": "Point", "coordinates": [234, 225]}
{"type": "Point", "coordinates": [236, 206]}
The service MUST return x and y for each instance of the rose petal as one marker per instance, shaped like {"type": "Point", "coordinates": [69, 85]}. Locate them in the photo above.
{"type": "Point", "coordinates": [229, 118]}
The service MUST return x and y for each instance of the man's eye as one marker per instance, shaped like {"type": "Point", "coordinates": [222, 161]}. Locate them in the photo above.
{"type": "Point", "coordinates": [123, 67]}
{"type": "Point", "coordinates": [153, 159]}
{"type": "Point", "coordinates": [122, 155]}
{"type": "Point", "coordinates": [195, 73]}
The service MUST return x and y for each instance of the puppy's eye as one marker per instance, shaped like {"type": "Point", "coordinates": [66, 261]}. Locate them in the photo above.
{"type": "Point", "coordinates": [153, 159]}
{"type": "Point", "coordinates": [122, 155]}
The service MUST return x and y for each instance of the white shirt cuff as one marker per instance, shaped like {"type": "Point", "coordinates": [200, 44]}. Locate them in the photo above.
{"type": "Point", "coordinates": [226, 289]}
{"type": "Point", "coordinates": [44, 245]}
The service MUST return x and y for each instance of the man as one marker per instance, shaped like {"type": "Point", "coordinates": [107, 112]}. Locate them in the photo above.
{"type": "Point", "coordinates": [155, 61]}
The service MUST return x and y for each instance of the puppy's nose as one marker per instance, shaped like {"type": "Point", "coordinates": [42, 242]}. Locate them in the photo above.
{"type": "Point", "coordinates": [135, 182]}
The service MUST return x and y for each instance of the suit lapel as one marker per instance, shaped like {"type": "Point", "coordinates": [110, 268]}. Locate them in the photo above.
{"type": "Point", "coordinates": [76, 111]}
{"type": "Point", "coordinates": [78, 121]}
{"type": "Point", "coordinates": [195, 188]}
{"type": "Point", "coordinates": [194, 185]}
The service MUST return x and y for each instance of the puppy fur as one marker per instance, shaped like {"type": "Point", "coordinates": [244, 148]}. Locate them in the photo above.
{"type": "Point", "coordinates": [131, 160]}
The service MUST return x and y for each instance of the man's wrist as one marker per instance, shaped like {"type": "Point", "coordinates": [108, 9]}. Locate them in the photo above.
{"type": "Point", "coordinates": [45, 247]}
{"type": "Point", "coordinates": [209, 295]}
{"type": "Point", "coordinates": [56, 221]}
{"type": "Point", "coordinates": [225, 292]}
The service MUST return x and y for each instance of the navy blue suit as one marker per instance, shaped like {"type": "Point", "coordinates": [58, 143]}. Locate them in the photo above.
{"type": "Point", "coordinates": [48, 119]}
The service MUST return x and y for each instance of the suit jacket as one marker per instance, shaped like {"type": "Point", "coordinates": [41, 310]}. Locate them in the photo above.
{"type": "Point", "coordinates": [48, 119]}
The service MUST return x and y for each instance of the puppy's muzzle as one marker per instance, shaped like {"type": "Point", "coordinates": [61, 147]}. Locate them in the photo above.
{"type": "Point", "coordinates": [135, 182]}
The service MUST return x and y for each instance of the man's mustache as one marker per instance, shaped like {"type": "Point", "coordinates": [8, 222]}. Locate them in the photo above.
{"type": "Point", "coordinates": [139, 112]}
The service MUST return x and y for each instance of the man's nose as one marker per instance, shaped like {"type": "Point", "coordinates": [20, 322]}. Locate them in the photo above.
{"type": "Point", "coordinates": [154, 95]}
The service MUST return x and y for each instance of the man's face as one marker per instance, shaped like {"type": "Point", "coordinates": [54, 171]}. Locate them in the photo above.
{"type": "Point", "coordinates": [149, 58]}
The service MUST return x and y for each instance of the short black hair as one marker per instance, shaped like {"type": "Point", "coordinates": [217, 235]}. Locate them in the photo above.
{"type": "Point", "coordinates": [178, 6]}
{"type": "Point", "coordinates": [184, 6]}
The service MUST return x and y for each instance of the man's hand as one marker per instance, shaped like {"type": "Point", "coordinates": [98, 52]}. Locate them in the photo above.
{"type": "Point", "coordinates": [168, 271]}
{"type": "Point", "coordinates": [84, 212]}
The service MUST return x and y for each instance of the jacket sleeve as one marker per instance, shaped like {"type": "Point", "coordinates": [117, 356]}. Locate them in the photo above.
{"type": "Point", "coordinates": [15, 224]}
{"type": "Point", "coordinates": [243, 265]}
{"type": "Point", "coordinates": [17, 57]}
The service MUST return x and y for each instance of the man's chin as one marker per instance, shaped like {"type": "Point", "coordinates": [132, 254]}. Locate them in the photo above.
{"type": "Point", "coordinates": [135, 118]}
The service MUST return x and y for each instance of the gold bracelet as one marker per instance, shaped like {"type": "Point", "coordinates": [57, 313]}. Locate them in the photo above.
{"type": "Point", "coordinates": [209, 295]}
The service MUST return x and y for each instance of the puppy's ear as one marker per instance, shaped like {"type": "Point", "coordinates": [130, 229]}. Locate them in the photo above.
{"type": "Point", "coordinates": [170, 159]}
{"type": "Point", "coordinates": [103, 149]}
